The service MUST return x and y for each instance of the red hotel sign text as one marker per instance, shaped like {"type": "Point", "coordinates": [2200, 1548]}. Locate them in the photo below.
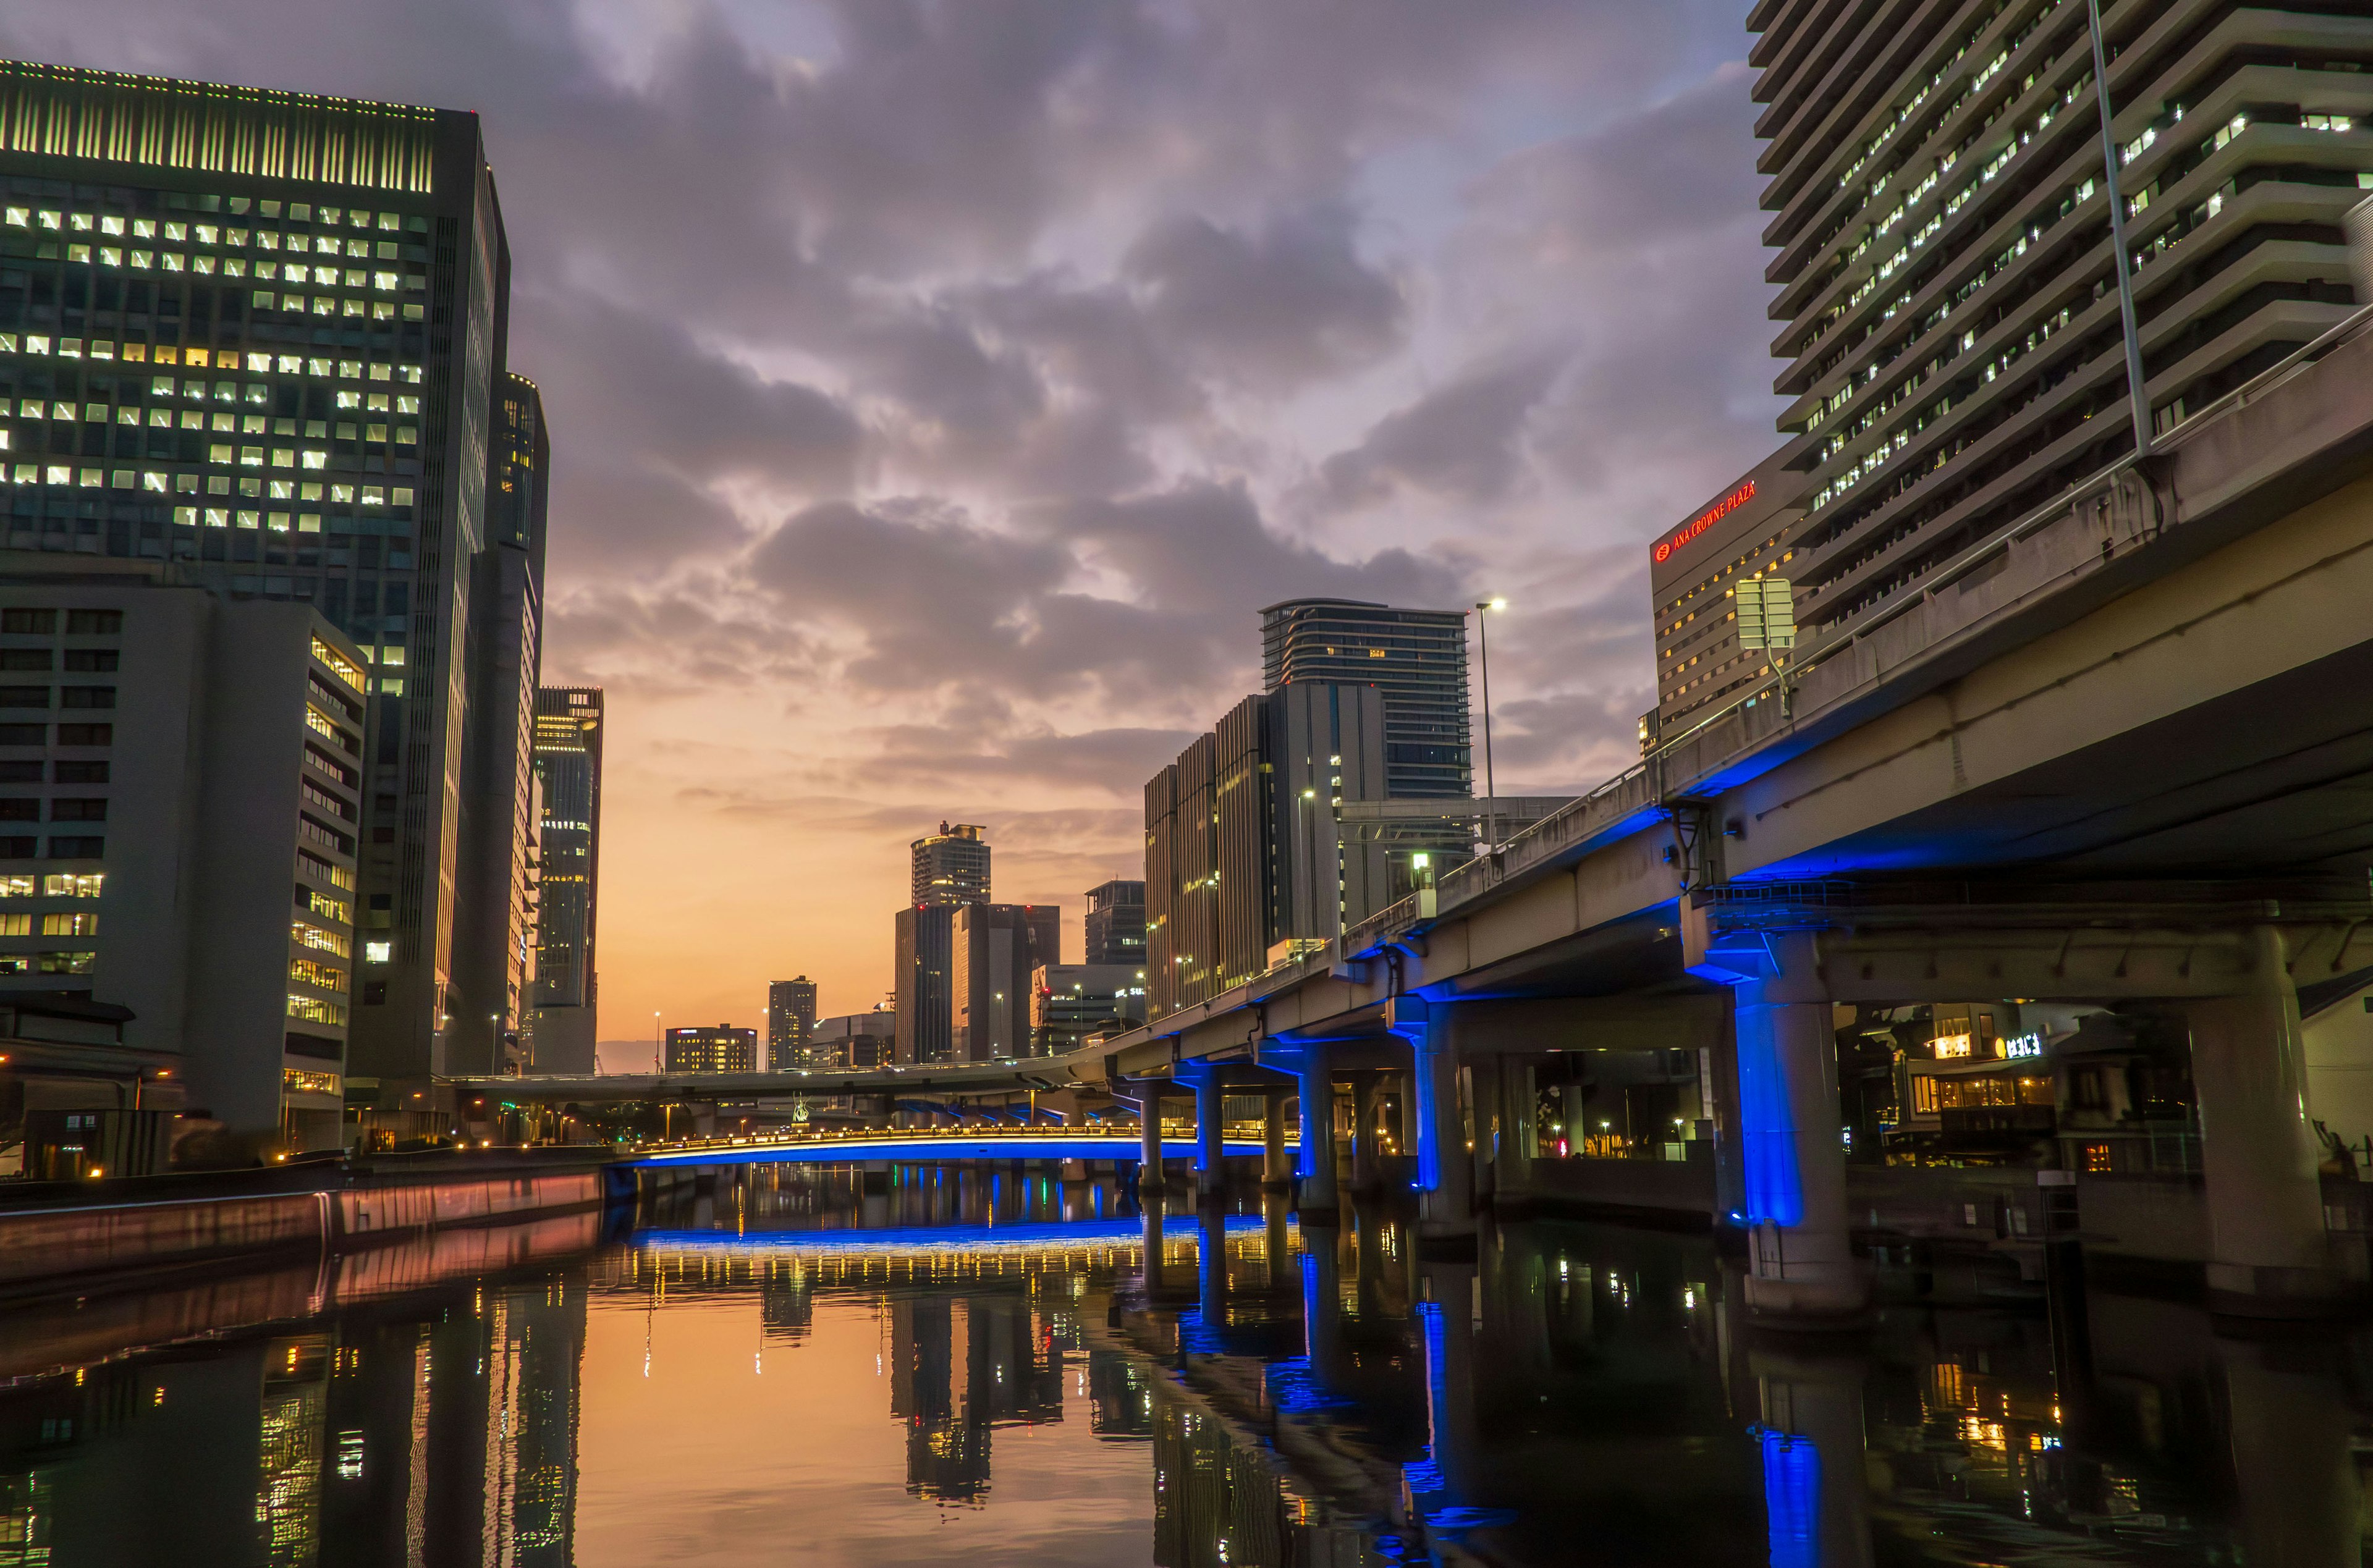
{"type": "Point", "coordinates": [1706, 520]}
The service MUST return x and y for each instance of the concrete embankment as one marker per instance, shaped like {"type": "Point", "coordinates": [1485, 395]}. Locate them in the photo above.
{"type": "Point", "coordinates": [56, 1234]}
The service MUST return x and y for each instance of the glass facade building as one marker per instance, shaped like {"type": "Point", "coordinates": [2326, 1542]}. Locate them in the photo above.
{"type": "Point", "coordinates": [1415, 658]}
{"type": "Point", "coordinates": [569, 781]}
{"type": "Point", "coordinates": [261, 335]}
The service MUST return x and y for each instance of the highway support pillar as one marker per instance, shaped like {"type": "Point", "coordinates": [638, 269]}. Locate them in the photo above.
{"type": "Point", "coordinates": [1800, 1243]}
{"type": "Point", "coordinates": [1446, 1165]}
{"type": "Point", "coordinates": [2268, 1251]}
{"type": "Point", "coordinates": [1210, 1172]}
{"type": "Point", "coordinates": [1276, 1169]}
{"type": "Point", "coordinates": [1316, 1199]}
{"type": "Point", "coordinates": [1149, 1139]}
{"type": "Point", "coordinates": [1364, 1169]}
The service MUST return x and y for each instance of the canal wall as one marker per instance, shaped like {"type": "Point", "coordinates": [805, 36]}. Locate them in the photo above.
{"type": "Point", "coordinates": [52, 1234]}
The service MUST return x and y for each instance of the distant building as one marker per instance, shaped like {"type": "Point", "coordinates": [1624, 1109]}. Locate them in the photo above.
{"type": "Point", "coordinates": [175, 764]}
{"type": "Point", "coordinates": [994, 950]}
{"type": "Point", "coordinates": [568, 770]}
{"type": "Point", "coordinates": [951, 866]}
{"type": "Point", "coordinates": [1415, 658]}
{"type": "Point", "coordinates": [1070, 1003]}
{"type": "Point", "coordinates": [791, 1022]}
{"type": "Point", "coordinates": [855, 1042]}
{"type": "Point", "coordinates": [722, 1049]}
{"type": "Point", "coordinates": [1245, 859]}
{"type": "Point", "coordinates": [924, 955]}
{"type": "Point", "coordinates": [1115, 923]}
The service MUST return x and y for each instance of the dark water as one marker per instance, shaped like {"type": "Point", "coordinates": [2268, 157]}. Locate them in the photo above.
{"type": "Point", "coordinates": [975, 1369]}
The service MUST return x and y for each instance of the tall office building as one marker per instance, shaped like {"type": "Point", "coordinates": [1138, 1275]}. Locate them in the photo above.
{"type": "Point", "coordinates": [261, 334]}
{"type": "Point", "coordinates": [951, 866]}
{"type": "Point", "coordinates": [993, 950]}
{"type": "Point", "coordinates": [494, 933]}
{"type": "Point", "coordinates": [1415, 658]}
{"type": "Point", "coordinates": [569, 780]}
{"type": "Point", "coordinates": [176, 765]}
{"type": "Point", "coordinates": [855, 1041]}
{"type": "Point", "coordinates": [963, 978]}
{"type": "Point", "coordinates": [1951, 340]}
{"type": "Point", "coordinates": [720, 1049]}
{"type": "Point", "coordinates": [1115, 923]}
{"type": "Point", "coordinates": [1245, 863]}
{"type": "Point", "coordinates": [790, 1023]}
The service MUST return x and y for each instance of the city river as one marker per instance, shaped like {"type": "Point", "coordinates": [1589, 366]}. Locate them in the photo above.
{"type": "Point", "coordinates": [982, 1368]}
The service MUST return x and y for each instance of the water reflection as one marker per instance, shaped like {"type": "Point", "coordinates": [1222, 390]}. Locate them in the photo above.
{"type": "Point", "coordinates": [986, 1365]}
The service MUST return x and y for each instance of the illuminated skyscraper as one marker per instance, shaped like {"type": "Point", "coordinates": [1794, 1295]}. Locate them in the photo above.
{"type": "Point", "coordinates": [265, 333]}
{"type": "Point", "coordinates": [791, 1022]}
{"type": "Point", "coordinates": [1415, 658]}
{"type": "Point", "coordinates": [951, 866]}
{"type": "Point", "coordinates": [569, 771]}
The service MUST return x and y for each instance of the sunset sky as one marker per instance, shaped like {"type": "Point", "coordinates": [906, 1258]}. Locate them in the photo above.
{"type": "Point", "coordinates": [938, 389]}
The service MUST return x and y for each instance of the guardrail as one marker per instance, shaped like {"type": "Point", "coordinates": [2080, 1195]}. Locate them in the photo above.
{"type": "Point", "coordinates": [1172, 1133]}
{"type": "Point", "coordinates": [1643, 785]}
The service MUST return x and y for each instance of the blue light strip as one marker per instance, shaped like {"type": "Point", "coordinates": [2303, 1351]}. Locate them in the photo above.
{"type": "Point", "coordinates": [937, 1238]}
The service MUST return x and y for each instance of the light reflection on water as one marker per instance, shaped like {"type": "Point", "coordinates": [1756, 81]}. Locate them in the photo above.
{"type": "Point", "coordinates": [973, 1366]}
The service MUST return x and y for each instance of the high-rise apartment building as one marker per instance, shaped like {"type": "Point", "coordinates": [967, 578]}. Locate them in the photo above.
{"type": "Point", "coordinates": [1244, 858]}
{"type": "Point", "coordinates": [261, 335]}
{"type": "Point", "coordinates": [1415, 658]}
{"type": "Point", "coordinates": [568, 782]}
{"type": "Point", "coordinates": [720, 1049]}
{"type": "Point", "coordinates": [1115, 923]}
{"type": "Point", "coordinates": [1951, 338]}
{"type": "Point", "coordinates": [951, 866]}
{"type": "Point", "coordinates": [790, 1023]}
{"type": "Point", "coordinates": [181, 773]}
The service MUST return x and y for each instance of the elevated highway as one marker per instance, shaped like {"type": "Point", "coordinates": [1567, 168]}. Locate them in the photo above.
{"type": "Point", "coordinates": [2121, 753]}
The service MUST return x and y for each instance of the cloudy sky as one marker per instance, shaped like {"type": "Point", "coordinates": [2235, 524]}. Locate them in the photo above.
{"type": "Point", "coordinates": [939, 386]}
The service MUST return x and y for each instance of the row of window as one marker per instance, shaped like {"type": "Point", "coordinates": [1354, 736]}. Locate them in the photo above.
{"type": "Point", "coordinates": [68, 734]}
{"type": "Point", "coordinates": [78, 924]}
{"type": "Point", "coordinates": [78, 623]}
{"type": "Point", "coordinates": [198, 358]}
{"type": "Point", "coordinates": [68, 696]}
{"type": "Point", "coordinates": [94, 661]}
{"type": "Point", "coordinates": [61, 848]}
{"type": "Point", "coordinates": [57, 885]}
{"type": "Point", "coordinates": [28, 808]}
{"type": "Point", "coordinates": [31, 215]}
{"type": "Point", "coordinates": [82, 962]}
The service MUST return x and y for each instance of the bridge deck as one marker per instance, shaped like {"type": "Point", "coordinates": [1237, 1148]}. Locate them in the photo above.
{"type": "Point", "coordinates": [862, 1149]}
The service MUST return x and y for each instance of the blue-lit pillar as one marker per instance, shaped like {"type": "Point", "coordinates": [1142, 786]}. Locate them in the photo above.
{"type": "Point", "coordinates": [1800, 1246]}
{"type": "Point", "coordinates": [1445, 1163]}
{"type": "Point", "coordinates": [1316, 1155]}
{"type": "Point", "coordinates": [1815, 1498]}
{"type": "Point", "coordinates": [1276, 1169]}
{"type": "Point", "coordinates": [1363, 1131]}
{"type": "Point", "coordinates": [1211, 1175]}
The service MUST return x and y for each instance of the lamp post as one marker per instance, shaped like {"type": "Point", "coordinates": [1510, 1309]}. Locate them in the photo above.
{"type": "Point", "coordinates": [1491, 786]}
{"type": "Point", "coordinates": [2140, 393]}
{"type": "Point", "coordinates": [658, 1059]}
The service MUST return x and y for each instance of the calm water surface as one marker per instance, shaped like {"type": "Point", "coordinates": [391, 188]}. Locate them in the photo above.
{"type": "Point", "coordinates": [979, 1368]}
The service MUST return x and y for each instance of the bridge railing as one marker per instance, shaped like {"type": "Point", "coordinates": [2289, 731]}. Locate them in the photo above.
{"type": "Point", "coordinates": [1174, 1135]}
{"type": "Point", "coordinates": [1647, 784]}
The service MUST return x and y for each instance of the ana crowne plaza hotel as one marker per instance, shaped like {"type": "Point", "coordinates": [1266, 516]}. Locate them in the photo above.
{"type": "Point", "coordinates": [1949, 337]}
{"type": "Point", "coordinates": [253, 347]}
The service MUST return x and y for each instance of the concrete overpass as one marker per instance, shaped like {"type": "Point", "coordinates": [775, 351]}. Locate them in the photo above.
{"type": "Point", "coordinates": [2119, 753]}
{"type": "Point", "coordinates": [981, 1078]}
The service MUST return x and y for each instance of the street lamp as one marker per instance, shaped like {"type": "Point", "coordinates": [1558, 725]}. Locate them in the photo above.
{"type": "Point", "coordinates": [2135, 385]}
{"type": "Point", "coordinates": [1491, 786]}
{"type": "Point", "coordinates": [658, 1062]}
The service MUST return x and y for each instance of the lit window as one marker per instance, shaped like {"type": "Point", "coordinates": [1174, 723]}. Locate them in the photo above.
{"type": "Point", "coordinates": [250, 519]}
{"type": "Point", "coordinates": [16, 926]}
{"type": "Point", "coordinates": [185, 516]}
{"type": "Point", "coordinates": [49, 219]}
{"type": "Point", "coordinates": [374, 494]}
{"type": "Point", "coordinates": [227, 422]}
{"type": "Point", "coordinates": [317, 459]}
{"type": "Point", "coordinates": [66, 963]}
{"type": "Point", "coordinates": [217, 518]}
{"type": "Point", "coordinates": [254, 425]}
{"type": "Point", "coordinates": [143, 228]}
{"type": "Point", "coordinates": [16, 887]}
{"type": "Point", "coordinates": [19, 218]}
{"type": "Point", "coordinates": [350, 399]}
{"type": "Point", "coordinates": [282, 457]}
{"type": "Point", "coordinates": [82, 924]}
